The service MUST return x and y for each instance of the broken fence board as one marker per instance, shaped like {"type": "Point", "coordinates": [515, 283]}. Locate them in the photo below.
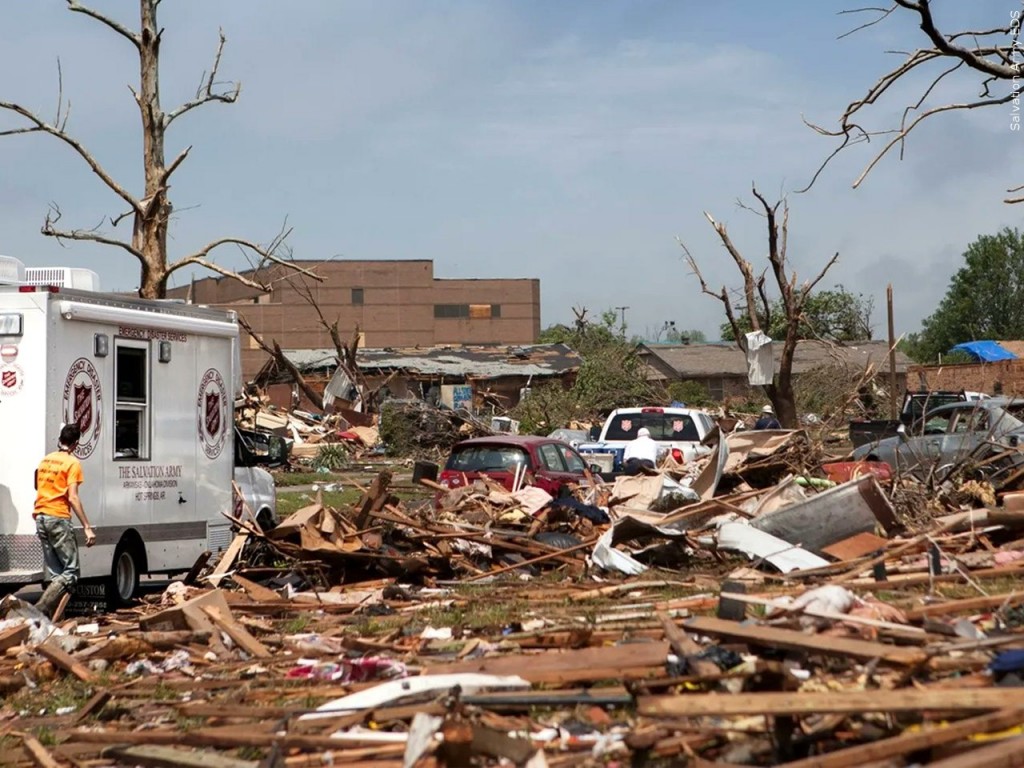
{"type": "Point", "coordinates": [831, 702]}
{"type": "Point", "coordinates": [799, 641]}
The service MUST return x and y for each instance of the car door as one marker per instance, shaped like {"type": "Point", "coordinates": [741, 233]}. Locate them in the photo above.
{"type": "Point", "coordinates": [923, 449]}
{"type": "Point", "coordinates": [967, 431]}
{"type": "Point", "coordinates": [553, 472]}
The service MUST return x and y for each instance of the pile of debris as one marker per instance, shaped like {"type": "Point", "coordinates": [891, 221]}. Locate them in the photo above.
{"type": "Point", "coordinates": [748, 610]}
{"type": "Point", "coordinates": [414, 427]}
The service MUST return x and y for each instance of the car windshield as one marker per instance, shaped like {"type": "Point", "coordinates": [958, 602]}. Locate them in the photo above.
{"type": "Point", "coordinates": [486, 458]}
{"type": "Point", "coordinates": [676, 427]}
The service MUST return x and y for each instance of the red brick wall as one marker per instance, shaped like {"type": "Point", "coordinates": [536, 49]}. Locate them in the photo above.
{"type": "Point", "coordinates": [974, 377]}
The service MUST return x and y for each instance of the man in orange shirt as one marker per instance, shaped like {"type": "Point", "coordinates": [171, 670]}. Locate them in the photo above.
{"type": "Point", "coordinates": [57, 480]}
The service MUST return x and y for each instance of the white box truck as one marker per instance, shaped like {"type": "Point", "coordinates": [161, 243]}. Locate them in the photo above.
{"type": "Point", "coordinates": [152, 386]}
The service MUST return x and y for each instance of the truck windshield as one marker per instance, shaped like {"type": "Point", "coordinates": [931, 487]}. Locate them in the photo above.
{"type": "Point", "coordinates": [676, 427]}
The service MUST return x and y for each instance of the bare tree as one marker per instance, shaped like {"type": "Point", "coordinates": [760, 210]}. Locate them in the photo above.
{"type": "Point", "coordinates": [151, 212]}
{"type": "Point", "coordinates": [995, 55]}
{"type": "Point", "coordinates": [756, 302]}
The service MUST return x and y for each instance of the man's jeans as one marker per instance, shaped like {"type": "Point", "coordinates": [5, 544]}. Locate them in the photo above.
{"type": "Point", "coordinates": [60, 550]}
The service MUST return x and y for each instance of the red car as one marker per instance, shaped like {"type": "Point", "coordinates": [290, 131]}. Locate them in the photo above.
{"type": "Point", "coordinates": [550, 464]}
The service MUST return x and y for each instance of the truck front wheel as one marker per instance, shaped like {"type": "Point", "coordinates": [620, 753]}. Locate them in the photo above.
{"type": "Point", "coordinates": [124, 575]}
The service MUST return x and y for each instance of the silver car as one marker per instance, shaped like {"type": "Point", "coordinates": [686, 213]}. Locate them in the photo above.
{"type": "Point", "coordinates": [985, 435]}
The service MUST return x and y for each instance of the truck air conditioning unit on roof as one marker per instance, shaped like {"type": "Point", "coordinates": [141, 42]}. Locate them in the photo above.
{"type": "Point", "coordinates": [12, 271]}
{"type": "Point", "coordinates": [63, 277]}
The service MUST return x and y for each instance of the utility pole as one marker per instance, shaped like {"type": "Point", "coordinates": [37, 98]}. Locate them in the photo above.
{"type": "Point", "coordinates": [622, 326]}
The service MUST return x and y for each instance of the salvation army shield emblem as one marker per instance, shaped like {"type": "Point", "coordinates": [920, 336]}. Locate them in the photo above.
{"type": "Point", "coordinates": [82, 414]}
{"type": "Point", "coordinates": [83, 404]}
{"type": "Point", "coordinates": [213, 413]}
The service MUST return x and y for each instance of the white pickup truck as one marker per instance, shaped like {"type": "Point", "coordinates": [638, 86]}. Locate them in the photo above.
{"type": "Point", "coordinates": [678, 431]}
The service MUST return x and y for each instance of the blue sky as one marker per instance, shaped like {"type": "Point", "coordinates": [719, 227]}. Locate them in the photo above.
{"type": "Point", "coordinates": [568, 140]}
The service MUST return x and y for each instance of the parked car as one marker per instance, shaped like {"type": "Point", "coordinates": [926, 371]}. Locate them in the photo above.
{"type": "Point", "coordinates": [552, 464]}
{"type": "Point", "coordinates": [955, 435]}
{"type": "Point", "coordinates": [679, 431]}
{"type": "Point", "coordinates": [865, 431]}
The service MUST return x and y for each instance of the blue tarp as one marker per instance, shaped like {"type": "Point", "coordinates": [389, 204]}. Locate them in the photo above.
{"type": "Point", "coordinates": [985, 351]}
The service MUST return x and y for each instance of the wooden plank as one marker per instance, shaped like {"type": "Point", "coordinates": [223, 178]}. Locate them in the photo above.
{"type": "Point", "coordinates": [686, 648]}
{"type": "Point", "coordinates": [971, 604]}
{"type": "Point", "coordinates": [1003, 754]}
{"type": "Point", "coordinates": [228, 558]}
{"type": "Point", "coordinates": [856, 546]}
{"type": "Point", "coordinates": [798, 641]}
{"type": "Point", "coordinates": [243, 639]}
{"type": "Point", "coordinates": [152, 756]}
{"type": "Point", "coordinates": [40, 755]}
{"type": "Point", "coordinates": [374, 499]}
{"type": "Point", "coordinates": [612, 662]}
{"type": "Point", "coordinates": [831, 702]}
{"type": "Point", "coordinates": [59, 658]}
{"type": "Point", "coordinates": [905, 743]}
{"type": "Point", "coordinates": [13, 636]}
{"type": "Point", "coordinates": [257, 592]}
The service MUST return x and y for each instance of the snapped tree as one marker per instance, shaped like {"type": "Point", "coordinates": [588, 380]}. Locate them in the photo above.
{"type": "Point", "coordinates": [758, 311]}
{"type": "Point", "coordinates": [985, 298]}
{"type": "Point", "coordinates": [150, 211]}
{"type": "Point", "coordinates": [993, 54]}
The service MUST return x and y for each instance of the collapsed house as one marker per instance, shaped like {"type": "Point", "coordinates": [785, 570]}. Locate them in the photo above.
{"type": "Point", "coordinates": [474, 377]}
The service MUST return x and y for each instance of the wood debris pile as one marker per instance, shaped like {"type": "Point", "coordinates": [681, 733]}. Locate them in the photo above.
{"type": "Point", "coordinates": [796, 623]}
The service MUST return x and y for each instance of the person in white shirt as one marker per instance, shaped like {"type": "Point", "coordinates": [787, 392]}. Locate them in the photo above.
{"type": "Point", "coordinates": [641, 451]}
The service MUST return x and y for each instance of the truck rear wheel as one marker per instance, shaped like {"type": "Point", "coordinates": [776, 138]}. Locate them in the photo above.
{"type": "Point", "coordinates": [124, 575]}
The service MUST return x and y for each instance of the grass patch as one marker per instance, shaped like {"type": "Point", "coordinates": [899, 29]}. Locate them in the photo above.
{"type": "Point", "coordinates": [296, 625]}
{"type": "Point", "coordinates": [287, 503]}
{"type": "Point", "coordinates": [286, 479]}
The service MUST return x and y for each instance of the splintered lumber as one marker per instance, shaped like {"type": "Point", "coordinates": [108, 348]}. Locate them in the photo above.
{"type": "Point", "coordinates": [226, 622]}
{"type": "Point", "coordinates": [169, 757]}
{"type": "Point", "coordinates": [257, 592]}
{"type": "Point", "coordinates": [1003, 754]}
{"type": "Point", "coordinates": [13, 636]}
{"type": "Point", "coordinates": [228, 558]}
{"type": "Point", "coordinates": [374, 499]}
{"type": "Point", "coordinates": [831, 702]}
{"type": "Point", "coordinates": [613, 662]}
{"type": "Point", "coordinates": [61, 659]}
{"type": "Point", "coordinates": [905, 743]}
{"type": "Point", "coordinates": [685, 647]}
{"type": "Point", "coordinates": [40, 755]}
{"type": "Point", "coordinates": [962, 606]}
{"type": "Point", "coordinates": [792, 640]}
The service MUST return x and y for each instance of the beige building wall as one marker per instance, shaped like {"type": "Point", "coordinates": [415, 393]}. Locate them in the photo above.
{"type": "Point", "coordinates": [395, 303]}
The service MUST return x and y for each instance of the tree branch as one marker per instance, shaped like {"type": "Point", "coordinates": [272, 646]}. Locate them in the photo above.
{"type": "Point", "coordinates": [132, 37]}
{"type": "Point", "coordinates": [90, 235]}
{"type": "Point", "coordinates": [282, 360]}
{"type": "Point", "coordinates": [996, 59]}
{"type": "Point", "coordinates": [41, 126]}
{"type": "Point", "coordinates": [205, 92]}
{"type": "Point", "coordinates": [943, 44]}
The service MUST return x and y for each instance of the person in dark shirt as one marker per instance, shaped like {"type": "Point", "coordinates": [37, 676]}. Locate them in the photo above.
{"type": "Point", "coordinates": [767, 420]}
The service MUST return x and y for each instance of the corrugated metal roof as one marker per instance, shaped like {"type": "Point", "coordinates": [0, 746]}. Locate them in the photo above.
{"type": "Point", "coordinates": [478, 362]}
{"type": "Point", "coordinates": [701, 360]}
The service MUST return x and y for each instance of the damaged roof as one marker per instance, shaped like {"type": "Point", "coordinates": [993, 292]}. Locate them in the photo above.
{"type": "Point", "coordinates": [701, 360]}
{"type": "Point", "coordinates": [478, 362]}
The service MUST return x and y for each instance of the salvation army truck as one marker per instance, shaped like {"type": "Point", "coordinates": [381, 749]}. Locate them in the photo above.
{"type": "Point", "coordinates": [151, 384]}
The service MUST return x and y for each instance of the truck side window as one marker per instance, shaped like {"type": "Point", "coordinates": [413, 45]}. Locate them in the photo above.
{"type": "Point", "coordinates": [131, 406]}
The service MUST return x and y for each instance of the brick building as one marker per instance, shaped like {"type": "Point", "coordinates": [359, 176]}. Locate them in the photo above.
{"type": "Point", "coordinates": [395, 303]}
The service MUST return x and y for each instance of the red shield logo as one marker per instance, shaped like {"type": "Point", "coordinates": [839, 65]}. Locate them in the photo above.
{"type": "Point", "coordinates": [10, 379]}
{"type": "Point", "coordinates": [82, 413]}
{"type": "Point", "coordinates": [213, 412]}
